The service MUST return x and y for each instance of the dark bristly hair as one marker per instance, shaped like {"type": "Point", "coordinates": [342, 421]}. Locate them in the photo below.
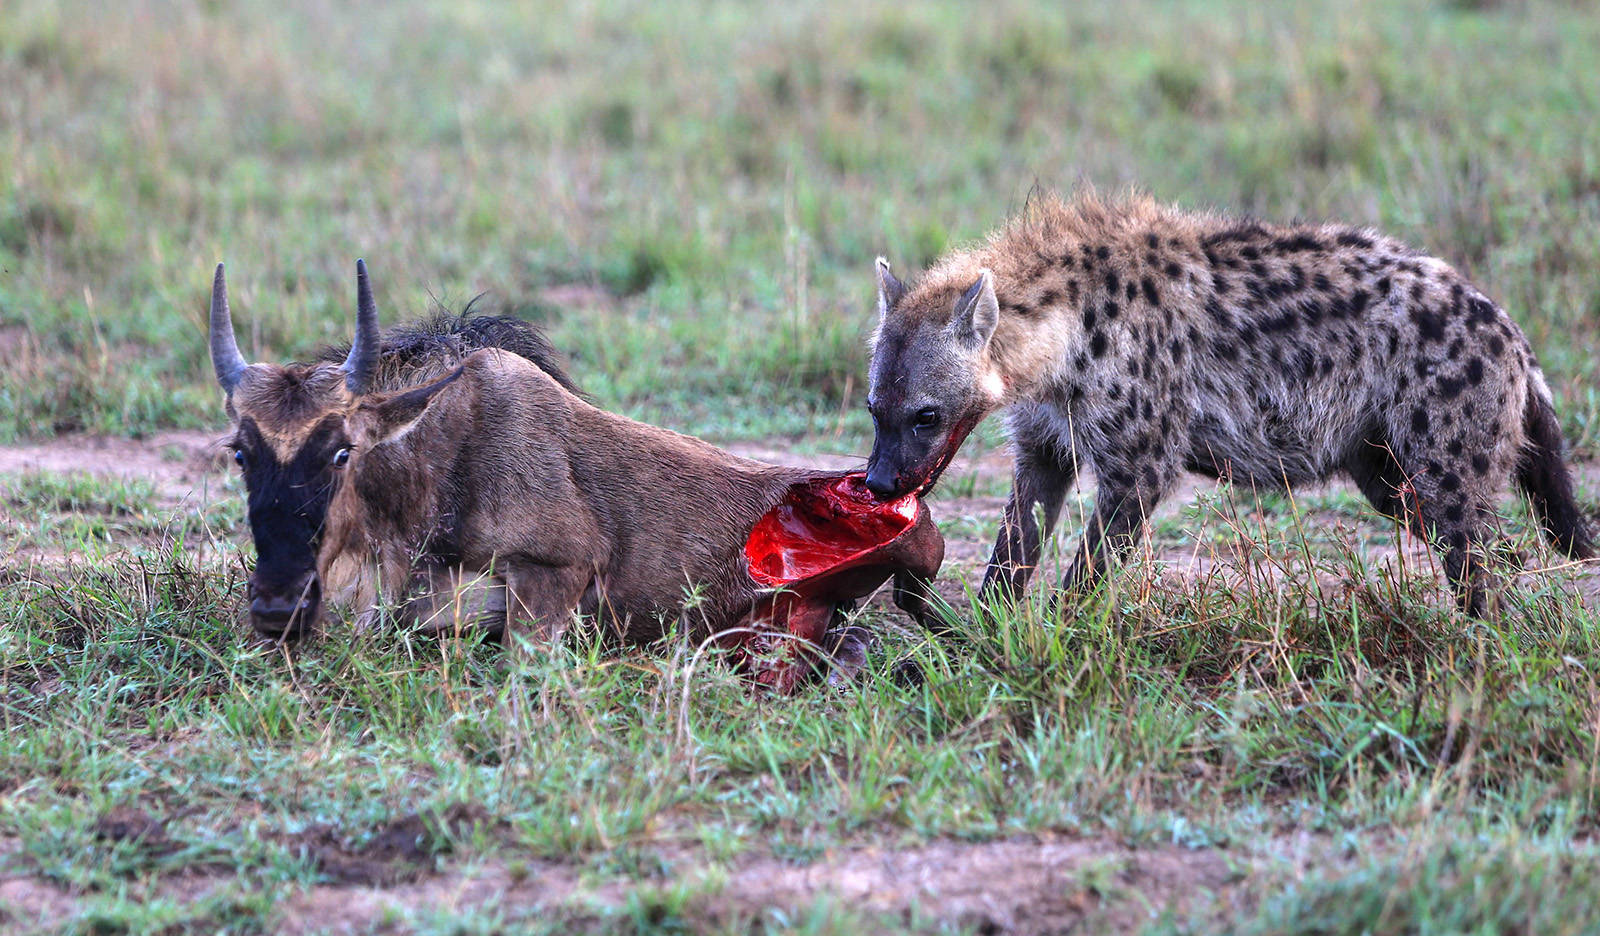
{"type": "Point", "coordinates": [419, 350]}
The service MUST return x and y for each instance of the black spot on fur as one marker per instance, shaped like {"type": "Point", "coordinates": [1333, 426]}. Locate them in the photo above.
{"type": "Point", "coordinates": [1450, 387]}
{"type": "Point", "coordinates": [1355, 239]}
{"type": "Point", "coordinates": [1103, 252]}
{"type": "Point", "coordinates": [1430, 324]}
{"type": "Point", "coordinates": [1112, 310]}
{"type": "Point", "coordinates": [1250, 253]}
{"type": "Point", "coordinates": [1132, 290]}
{"type": "Point", "coordinates": [1247, 231]}
{"type": "Point", "coordinates": [1419, 421]}
{"type": "Point", "coordinates": [1097, 344]}
{"type": "Point", "coordinates": [1113, 281]}
{"type": "Point", "coordinates": [1450, 482]}
{"type": "Point", "coordinates": [1497, 346]}
{"type": "Point", "coordinates": [1279, 323]}
{"type": "Point", "coordinates": [1475, 371]}
{"type": "Point", "coordinates": [1297, 243]}
{"type": "Point", "coordinates": [1149, 287]}
{"type": "Point", "coordinates": [1480, 463]}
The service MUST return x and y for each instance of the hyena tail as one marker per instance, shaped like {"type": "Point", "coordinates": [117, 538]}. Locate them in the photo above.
{"type": "Point", "coordinates": [1543, 475]}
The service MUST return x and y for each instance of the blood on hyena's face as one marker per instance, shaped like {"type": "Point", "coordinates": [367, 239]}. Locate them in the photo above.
{"type": "Point", "coordinates": [927, 388]}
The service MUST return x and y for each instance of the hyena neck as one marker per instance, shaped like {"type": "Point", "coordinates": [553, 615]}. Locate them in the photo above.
{"type": "Point", "coordinates": [1041, 289]}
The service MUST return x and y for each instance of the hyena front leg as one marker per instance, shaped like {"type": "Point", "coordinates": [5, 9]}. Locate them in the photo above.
{"type": "Point", "coordinates": [1129, 489]}
{"type": "Point", "coordinates": [1040, 481]}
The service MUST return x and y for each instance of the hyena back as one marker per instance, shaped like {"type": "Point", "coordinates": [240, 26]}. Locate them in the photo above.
{"type": "Point", "coordinates": [1142, 340]}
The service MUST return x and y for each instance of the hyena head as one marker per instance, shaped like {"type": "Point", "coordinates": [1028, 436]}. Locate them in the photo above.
{"type": "Point", "coordinates": [932, 378]}
{"type": "Point", "coordinates": [291, 442]}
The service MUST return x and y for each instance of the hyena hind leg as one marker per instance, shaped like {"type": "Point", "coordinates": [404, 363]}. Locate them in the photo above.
{"type": "Point", "coordinates": [1454, 505]}
{"type": "Point", "coordinates": [1372, 466]}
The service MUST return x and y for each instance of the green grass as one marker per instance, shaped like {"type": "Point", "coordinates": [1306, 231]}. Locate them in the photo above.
{"type": "Point", "coordinates": [690, 198]}
{"type": "Point", "coordinates": [1438, 773]}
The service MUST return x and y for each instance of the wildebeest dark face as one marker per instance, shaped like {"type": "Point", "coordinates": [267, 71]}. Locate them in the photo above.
{"type": "Point", "coordinates": [290, 473]}
{"type": "Point", "coordinates": [290, 442]}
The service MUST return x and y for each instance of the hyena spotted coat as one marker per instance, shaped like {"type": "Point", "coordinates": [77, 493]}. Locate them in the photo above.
{"type": "Point", "coordinates": [1143, 340]}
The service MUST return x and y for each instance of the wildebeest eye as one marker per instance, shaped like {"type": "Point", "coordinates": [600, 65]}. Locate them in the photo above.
{"type": "Point", "coordinates": [341, 457]}
{"type": "Point", "coordinates": [926, 417]}
{"type": "Point", "coordinates": [238, 457]}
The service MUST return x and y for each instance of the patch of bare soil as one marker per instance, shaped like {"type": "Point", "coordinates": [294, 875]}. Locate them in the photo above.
{"type": "Point", "coordinates": [401, 851]}
{"type": "Point", "coordinates": [1025, 885]}
{"type": "Point", "coordinates": [178, 463]}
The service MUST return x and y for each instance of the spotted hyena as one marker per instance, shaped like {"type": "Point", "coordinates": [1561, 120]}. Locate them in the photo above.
{"type": "Point", "coordinates": [1143, 340]}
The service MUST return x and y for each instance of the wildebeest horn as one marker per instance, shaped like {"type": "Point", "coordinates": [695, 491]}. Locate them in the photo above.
{"type": "Point", "coordinates": [225, 356]}
{"type": "Point", "coordinates": [364, 350]}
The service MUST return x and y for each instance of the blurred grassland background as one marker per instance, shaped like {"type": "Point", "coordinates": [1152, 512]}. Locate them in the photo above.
{"type": "Point", "coordinates": [691, 194]}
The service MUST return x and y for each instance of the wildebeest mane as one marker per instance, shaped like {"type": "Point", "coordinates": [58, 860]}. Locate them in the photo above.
{"type": "Point", "coordinates": [421, 350]}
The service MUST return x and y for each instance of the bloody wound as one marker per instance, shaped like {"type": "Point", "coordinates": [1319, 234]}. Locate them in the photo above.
{"type": "Point", "coordinates": [824, 526]}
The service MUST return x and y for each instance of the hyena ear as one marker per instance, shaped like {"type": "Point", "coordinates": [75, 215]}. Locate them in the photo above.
{"type": "Point", "coordinates": [977, 312]}
{"type": "Point", "coordinates": [393, 417]}
{"type": "Point", "coordinates": [890, 289]}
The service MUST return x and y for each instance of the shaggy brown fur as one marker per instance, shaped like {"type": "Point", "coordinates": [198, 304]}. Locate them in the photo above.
{"type": "Point", "coordinates": [471, 484]}
{"type": "Point", "coordinates": [289, 442]}
{"type": "Point", "coordinates": [576, 508]}
{"type": "Point", "coordinates": [1144, 340]}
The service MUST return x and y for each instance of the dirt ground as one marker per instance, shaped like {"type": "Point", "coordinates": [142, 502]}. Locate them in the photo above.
{"type": "Point", "coordinates": [1025, 885]}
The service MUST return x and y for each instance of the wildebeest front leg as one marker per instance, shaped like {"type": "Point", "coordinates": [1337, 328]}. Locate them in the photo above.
{"type": "Point", "coordinates": [1039, 485]}
{"type": "Point", "coordinates": [542, 598]}
{"type": "Point", "coordinates": [449, 599]}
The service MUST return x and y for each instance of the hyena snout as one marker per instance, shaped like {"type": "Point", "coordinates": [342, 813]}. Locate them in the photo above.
{"type": "Point", "coordinates": [285, 609]}
{"type": "Point", "coordinates": [884, 482]}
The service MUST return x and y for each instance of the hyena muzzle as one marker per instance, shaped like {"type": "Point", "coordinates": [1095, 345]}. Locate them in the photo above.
{"type": "Point", "coordinates": [1143, 341]}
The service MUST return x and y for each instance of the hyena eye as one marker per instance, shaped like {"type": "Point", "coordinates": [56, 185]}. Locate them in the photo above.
{"type": "Point", "coordinates": [341, 458]}
{"type": "Point", "coordinates": [238, 457]}
{"type": "Point", "coordinates": [926, 417]}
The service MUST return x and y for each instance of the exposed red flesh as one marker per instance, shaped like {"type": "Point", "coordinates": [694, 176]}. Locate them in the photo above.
{"type": "Point", "coordinates": [822, 526]}
{"type": "Point", "coordinates": [827, 543]}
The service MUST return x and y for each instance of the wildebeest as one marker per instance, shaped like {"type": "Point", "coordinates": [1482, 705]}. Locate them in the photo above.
{"type": "Point", "coordinates": [289, 439]}
{"type": "Point", "coordinates": [482, 462]}
{"type": "Point", "coordinates": [1144, 340]}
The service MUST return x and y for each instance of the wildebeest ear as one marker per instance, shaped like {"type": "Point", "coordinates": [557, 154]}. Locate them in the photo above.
{"type": "Point", "coordinates": [890, 289]}
{"type": "Point", "coordinates": [976, 313]}
{"type": "Point", "coordinates": [397, 414]}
